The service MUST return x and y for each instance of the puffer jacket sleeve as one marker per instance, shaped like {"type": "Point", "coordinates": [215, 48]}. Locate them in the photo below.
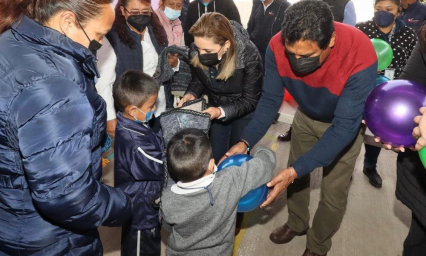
{"type": "Point", "coordinates": [54, 122]}
{"type": "Point", "coordinates": [195, 88]}
{"type": "Point", "coordinates": [252, 87]}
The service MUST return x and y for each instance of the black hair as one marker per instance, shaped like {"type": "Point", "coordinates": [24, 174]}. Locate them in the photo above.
{"type": "Point", "coordinates": [120, 26]}
{"type": "Point", "coordinates": [43, 10]}
{"type": "Point", "coordinates": [396, 2]}
{"type": "Point", "coordinates": [308, 20]}
{"type": "Point", "coordinates": [188, 155]}
{"type": "Point", "coordinates": [133, 88]}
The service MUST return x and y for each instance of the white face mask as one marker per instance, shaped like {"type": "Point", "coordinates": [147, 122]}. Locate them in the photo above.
{"type": "Point", "coordinates": [171, 14]}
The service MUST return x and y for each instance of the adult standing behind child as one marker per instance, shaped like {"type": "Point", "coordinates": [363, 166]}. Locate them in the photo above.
{"type": "Point", "coordinates": [329, 68]}
{"type": "Point", "coordinates": [138, 166]}
{"type": "Point", "coordinates": [265, 21]}
{"type": "Point", "coordinates": [201, 194]}
{"type": "Point", "coordinates": [386, 26]}
{"type": "Point", "coordinates": [227, 67]}
{"type": "Point", "coordinates": [134, 42]}
{"type": "Point", "coordinates": [197, 8]}
{"type": "Point", "coordinates": [169, 13]}
{"type": "Point", "coordinates": [413, 14]}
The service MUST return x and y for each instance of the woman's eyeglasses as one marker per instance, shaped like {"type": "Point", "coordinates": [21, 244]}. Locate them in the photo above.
{"type": "Point", "coordinates": [143, 12]}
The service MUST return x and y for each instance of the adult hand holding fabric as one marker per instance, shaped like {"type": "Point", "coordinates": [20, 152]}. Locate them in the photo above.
{"type": "Point", "coordinates": [186, 98]}
{"type": "Point", "coordinates": [213, 112]}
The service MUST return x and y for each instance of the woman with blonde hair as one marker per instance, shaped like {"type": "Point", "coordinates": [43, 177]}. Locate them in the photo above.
{"type": "Point", "coordinates": [227, 67]}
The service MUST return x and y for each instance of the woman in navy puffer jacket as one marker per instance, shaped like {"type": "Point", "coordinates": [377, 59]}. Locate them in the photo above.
{"type": "Point", "coordinates": [52, 123]}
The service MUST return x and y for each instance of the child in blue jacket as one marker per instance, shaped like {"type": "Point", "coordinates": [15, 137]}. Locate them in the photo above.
{"type": "Point", "coordinates": [139, 155]}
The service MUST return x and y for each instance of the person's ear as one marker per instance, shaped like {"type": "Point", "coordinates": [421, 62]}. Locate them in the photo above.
{"type": "Point", "coordinates": [131, 110]}
{"type": "Point", "coordinates": [123, 12]}
{"type": "Point", "coordinates": [67, 21]}
{"type": "Point", "coordinates": [227, 45]}
{"type": "Point", "coordinates": [332, 40]}
{"type": "Point", "coordinates": [211, 165]}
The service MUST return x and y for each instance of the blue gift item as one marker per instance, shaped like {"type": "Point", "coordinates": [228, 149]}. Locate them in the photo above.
{"type": "Point", "coordinates": [107, 143]}
{"type": "Point", "coordinates": [381, 80]}
{"type": "Point", "coordinates": [252, 199]}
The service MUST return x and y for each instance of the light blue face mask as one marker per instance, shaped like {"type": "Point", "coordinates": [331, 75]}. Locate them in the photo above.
{"type": "Point", "coordinates": [171, 14]}
{"type": "Point", "coordinates": [148, 116]}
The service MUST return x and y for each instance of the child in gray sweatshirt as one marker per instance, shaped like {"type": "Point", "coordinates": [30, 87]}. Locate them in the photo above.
{"type": "Point", "coordinates": [200, 210]}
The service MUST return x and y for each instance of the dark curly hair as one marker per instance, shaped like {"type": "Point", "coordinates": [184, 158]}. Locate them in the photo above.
{"type": "Point", "coordinates": [120, 26]}
{"type": "Point", "coordinates": [308, 20]}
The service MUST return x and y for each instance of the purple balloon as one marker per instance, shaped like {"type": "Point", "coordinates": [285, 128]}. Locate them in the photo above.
{"type": "Point", "coordinates": [391, 108]}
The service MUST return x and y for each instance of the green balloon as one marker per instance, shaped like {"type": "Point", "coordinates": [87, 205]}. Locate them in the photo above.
{"type": "Point", "coordinates": [422, 154]}
{"type": "Point", "coordinates": [384, 53]}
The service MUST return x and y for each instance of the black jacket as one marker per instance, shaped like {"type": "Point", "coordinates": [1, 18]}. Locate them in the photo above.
{"type": "Point", "coordinates": [238, 96]}
{"type": "Point", "coordinates": [338, 8]}
{"type": "Point", "coordinates": [403, 42]}
{"type": "Point", "coordinates": [128, 58]}
{"type": "Point", "coordinates": [196, 9]}
{"type": "Point", "coordinates": [411, 175]}
{"type": "Point", "coordinates": [263, 25]}
{"type": "Point", "coordinates": [138, 168]}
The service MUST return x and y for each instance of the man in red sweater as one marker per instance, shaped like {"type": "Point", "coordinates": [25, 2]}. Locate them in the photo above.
{"type": "Point", "coordinates": [329, 68]}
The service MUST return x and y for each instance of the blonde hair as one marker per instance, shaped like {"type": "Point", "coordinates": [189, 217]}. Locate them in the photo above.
{"type": "Point", "coordinates": [217, 27]}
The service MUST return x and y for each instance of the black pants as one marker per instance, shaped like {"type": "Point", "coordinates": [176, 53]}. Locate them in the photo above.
{"type": "Point", "coordinates": [415, 243]}
{"type": "Point", "coordinates": [224, 135]}
{"type": "Point", "coordinates": [150, 241]}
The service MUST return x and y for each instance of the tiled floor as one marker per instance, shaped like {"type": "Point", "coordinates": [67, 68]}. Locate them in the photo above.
{"type": "Point", "coordinates": [375, 223]}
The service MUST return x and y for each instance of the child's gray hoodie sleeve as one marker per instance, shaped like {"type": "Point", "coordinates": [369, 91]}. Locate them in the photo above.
{"type": "Point", "coordinates": [255, 172]}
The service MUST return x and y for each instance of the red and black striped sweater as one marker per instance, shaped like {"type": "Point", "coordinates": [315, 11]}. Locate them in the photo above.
{"type": "Point", "coordinates": [335, 93]}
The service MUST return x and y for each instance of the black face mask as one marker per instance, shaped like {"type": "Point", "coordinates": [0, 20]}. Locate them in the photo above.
{"type": "Point", "coordinates": [303, 65]}
{"type": "Point", "coordinates": [209, 59]}
{"type": "Point", "coordinates": [94, 45]}
{"type": "Point", "coordinates": [139, 22]}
